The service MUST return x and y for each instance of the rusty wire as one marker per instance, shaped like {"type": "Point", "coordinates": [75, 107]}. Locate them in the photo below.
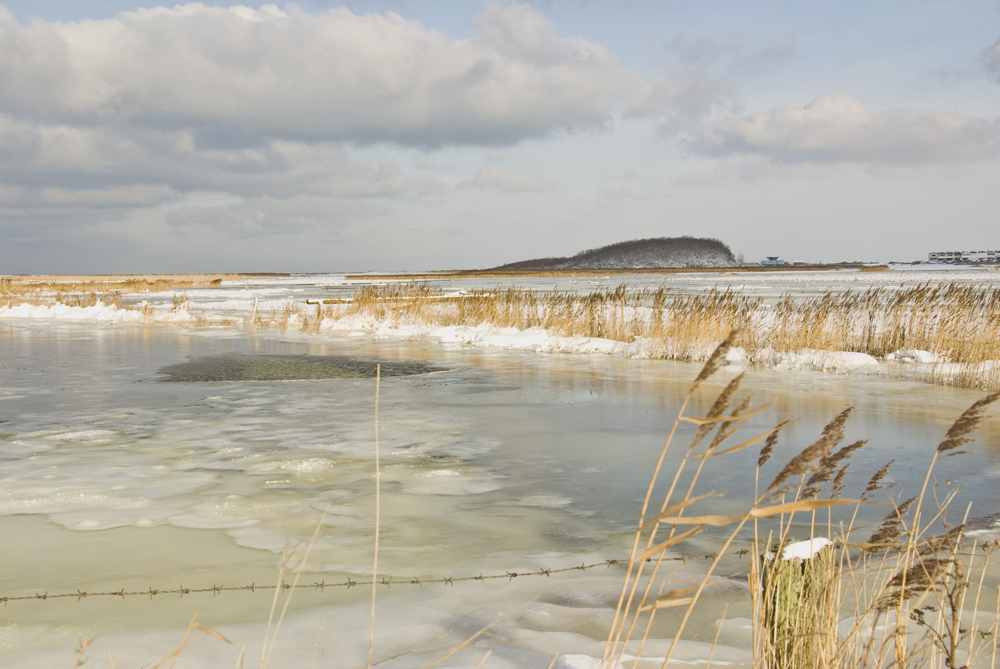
{"type": "Point", "coordinates": [349, 583]}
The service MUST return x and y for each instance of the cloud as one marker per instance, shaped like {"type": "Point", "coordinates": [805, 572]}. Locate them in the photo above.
{"type": "Point", "coordinates": [505, 181]}
{"type": "Point", "coordinates": [261, 216]}
{"type": "Point", "coordinates": [774, 52]}
{"type": "Point", "coordinates": [695, 50]}
{"type": "Point", "coordinates": [45, 166]}
{"type": "Point", "coordinates": [273, 107]}
{"type": "Point", "coordinates": [58, 200]}
{"type": "Point", "coordinates": [232, 74]}
{"type": "Point", "coordinates": [839, 129]}
{"type": "Point", "coordinates": [991, 59]}
{"type": "Point", "coordinates": [682, 96]}
{"type": "Point", "coordinates": [701, 51]}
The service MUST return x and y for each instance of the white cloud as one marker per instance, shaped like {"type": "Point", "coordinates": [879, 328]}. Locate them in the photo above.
{"type": "Point", "coordinates": [839, 129]}
{"type": "Point", "coordinates": [336, 76]}
{"type": "Point", "coordinates": [43, 164]}
{"type": "Point", "coordinates": [505, 181]}
{"type": "Point", "coordinates": [98, 118]}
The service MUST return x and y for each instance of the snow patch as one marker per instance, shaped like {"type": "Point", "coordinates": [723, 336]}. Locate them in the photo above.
{"type": "Point", "coordinates": [915, 355]}
{"type": "Point", "coordinates": [805, 550]}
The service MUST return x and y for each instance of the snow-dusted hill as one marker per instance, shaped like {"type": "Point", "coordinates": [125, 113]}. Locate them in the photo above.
{"type": "Point", "coordinates": [641, 253]}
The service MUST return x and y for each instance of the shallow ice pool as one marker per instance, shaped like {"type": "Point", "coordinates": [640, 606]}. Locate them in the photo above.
{"type": "Point", "coordinates": [138, 458]}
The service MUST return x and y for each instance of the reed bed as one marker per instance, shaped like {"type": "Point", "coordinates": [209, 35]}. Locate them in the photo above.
{"type": "Point", "coordinates": [84, 292]}
{"type": "Point", "coordinates": [33, 286]}
{"type": "Point", "coordinates": [957, 324]}
{"type": "Point", "coordinates": [955, 327]}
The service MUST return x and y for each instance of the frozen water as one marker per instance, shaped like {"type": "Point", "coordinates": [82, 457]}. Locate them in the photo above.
{"type": "Point", "coordinates": [492, 461]}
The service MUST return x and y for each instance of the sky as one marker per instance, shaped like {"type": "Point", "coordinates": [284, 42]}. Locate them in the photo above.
{"type": "Point", "coordinates": [441, 134]}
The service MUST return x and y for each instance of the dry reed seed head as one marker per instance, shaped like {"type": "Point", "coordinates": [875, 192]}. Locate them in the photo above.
{"type": "Point", "coordinates": [891, 526]}
{"type": "Point", "coordinates": [922, 575]}
{"type": "Point", "coordinates": [949, 542]}
{"type": "Point", "coordinates": [875, 482]}
{"type": "Point", "coordinates": [966, 423]}
{"type": "Point", "coordinates": [718, 407]}
{"type": "Point", "coordinates": [827, 466]}
{"type": "Point", "coordinates": [807, 461]}
{"type": "Point", "coordinates": [769, 444]}
{"type": "Point", "coordinates": [838, 482]}
{"type": "Point", "coordinates": [727, 430]}
{"type": "Point", "coordinates": [717, 360]}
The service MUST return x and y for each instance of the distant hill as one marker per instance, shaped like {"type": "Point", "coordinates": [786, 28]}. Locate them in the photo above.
{"type": "Point", "coordinates": [641, 254]}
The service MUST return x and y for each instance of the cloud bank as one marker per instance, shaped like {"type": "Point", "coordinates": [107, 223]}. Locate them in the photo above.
{"type": "Point", "coordinates": [276, 107]}
{"type": "Point", "coordinates": [236, 123]}
{"type": "Point", "coordinates": [292, 75]}
{"type": "Point", "coordinates": [839, 129]}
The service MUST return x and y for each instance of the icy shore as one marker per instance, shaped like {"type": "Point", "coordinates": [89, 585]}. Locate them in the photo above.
{"type": "Point", "coordinates": [906, 363]}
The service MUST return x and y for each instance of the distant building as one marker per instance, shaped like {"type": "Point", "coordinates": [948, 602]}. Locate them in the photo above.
{"type": "Point", "coordinates": [773, 261]}
{"type": "Point", "coordinates": [963, 256]}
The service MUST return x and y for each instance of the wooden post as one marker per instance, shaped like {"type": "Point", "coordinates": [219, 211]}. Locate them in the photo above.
{"type": "Point", "coordinates": [798, 617]}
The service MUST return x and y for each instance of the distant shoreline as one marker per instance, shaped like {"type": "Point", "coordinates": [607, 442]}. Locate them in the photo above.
{"type": "Point", "coordinates": [203, 277]}
{"type": "Point", "coordinates": [510, 273]}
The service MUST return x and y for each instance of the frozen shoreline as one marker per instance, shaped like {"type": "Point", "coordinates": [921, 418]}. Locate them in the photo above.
{"type": "Point", "coordinates": [911, 364]}
{"type": "Point", "coordinates": [154, 463]}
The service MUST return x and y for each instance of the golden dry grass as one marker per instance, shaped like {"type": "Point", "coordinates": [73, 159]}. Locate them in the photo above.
{"type": "Point", "coordinates": [958, 323]}
{"type": "Point", "coordinates": [912, 595]}
{"type": "Point", "coordinates": [37, 286]}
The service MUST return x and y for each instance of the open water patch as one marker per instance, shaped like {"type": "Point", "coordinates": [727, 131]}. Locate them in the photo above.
{"type": "Point", "coordinates": [249, 367]}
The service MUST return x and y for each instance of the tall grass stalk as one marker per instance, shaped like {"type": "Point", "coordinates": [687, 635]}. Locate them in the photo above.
{"type": "Point", "coordinates": [378, 514]}
{"type": "Point", "coordinates": [900, 597]}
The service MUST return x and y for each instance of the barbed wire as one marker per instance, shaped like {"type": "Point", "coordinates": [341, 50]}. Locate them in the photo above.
{"type": "Point", "coordinates": [387, 581]}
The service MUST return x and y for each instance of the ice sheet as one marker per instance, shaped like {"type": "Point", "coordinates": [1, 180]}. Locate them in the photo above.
{"type": "Point", "coordinates": [500, 460]}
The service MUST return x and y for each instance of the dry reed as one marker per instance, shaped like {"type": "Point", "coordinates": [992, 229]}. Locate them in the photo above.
{"type": "Point", "coordinates": [956, 323]}
{"type": "Point", "coordinates": [818, 603]}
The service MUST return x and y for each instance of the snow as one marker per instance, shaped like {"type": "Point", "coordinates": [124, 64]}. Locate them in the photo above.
{"type": "Point", "coordinates": [913, 355]}
{"type": "Point", "coordinates": [838, 362]}
{"type": "Point", "coordinates": [805, 550]}
{"type": "Point", "coordinates": [100, 313]}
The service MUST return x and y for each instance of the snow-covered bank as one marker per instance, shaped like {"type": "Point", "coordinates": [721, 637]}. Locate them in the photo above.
{"type": "Point", "coordinates": [99, 313]}
{"type": "Point", "coordinates": [912, 364]}
{"type": "Point", "coordinates": [946, 333]}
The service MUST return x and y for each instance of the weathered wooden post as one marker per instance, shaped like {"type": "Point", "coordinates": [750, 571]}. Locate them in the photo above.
{"type": "Point", "coordinates": [798, 616]}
